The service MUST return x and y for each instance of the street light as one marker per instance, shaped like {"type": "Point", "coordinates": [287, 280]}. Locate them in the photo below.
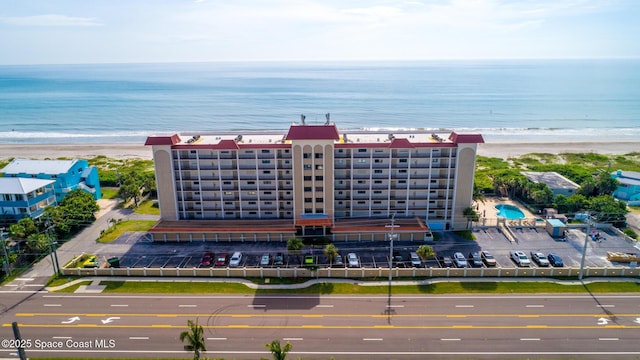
{"type": "Point", "coordinates": [392, 235]}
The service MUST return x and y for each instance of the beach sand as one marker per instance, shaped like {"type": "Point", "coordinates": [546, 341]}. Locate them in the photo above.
{"type": "Point", "coordinates": [135, 150]}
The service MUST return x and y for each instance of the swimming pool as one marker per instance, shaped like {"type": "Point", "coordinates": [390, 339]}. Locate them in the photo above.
{"type": "Point", "coordinates": [509, 212]}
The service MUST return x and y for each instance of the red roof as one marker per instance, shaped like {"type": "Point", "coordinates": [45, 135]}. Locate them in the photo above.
{"type": "Point", "coordinates": [163, 140]}
{"type": "Point", "coordinates": [313, 132]}
{"type": "Point", "coordinates": [466, 138]}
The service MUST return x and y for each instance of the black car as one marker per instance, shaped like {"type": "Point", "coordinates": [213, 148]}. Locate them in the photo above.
{"type": "Point", "coordinates": [444, 261]}
{"type": "Point", "coordinates": [474, 259]}
{"type": "Point", "coordinates": [278, 260]}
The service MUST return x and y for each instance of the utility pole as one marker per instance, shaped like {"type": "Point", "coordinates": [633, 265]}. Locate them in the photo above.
{"type": "Point", "coordinates": [584, 248]}
{"type": "Point", "coordinates": [392, 235]}
{"type": "Point", "coordinates": [52, 247]}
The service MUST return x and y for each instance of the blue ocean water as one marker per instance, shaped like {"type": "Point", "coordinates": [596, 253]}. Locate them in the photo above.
{"type": "Point", "coordinates": [502, 99]}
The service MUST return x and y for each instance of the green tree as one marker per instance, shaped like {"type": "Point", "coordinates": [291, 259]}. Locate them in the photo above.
{"type": "Point", "coordinates": [425, 252]}
{"type": "Point", "coordinates": [24, 228]}
{"type": "Point", "coordinates": [607, 209]}
{"type": "Point", "coordinates": [605, 184]}
{"type": "Point", "coordinates": [195, 338]}
{"type": "Point", "coordinates": [471, 215]}
{"type": "Point", "coordinates": [37, 244]}
{"type": "Point", "coordinates": [295, 245]}
{"type": "Point", "coordinates": [331, 251]}
{"type": "Point", "coordinates": [131, 187]}
{"type": "Point", "coordinates": [277, 351]}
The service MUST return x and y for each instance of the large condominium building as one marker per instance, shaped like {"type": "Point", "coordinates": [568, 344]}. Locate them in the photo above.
{"type": "Point", "coordinates": [312, 179]}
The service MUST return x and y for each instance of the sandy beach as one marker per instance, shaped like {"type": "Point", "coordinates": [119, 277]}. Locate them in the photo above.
{"type": "Point", "coordinates": [135, 150]}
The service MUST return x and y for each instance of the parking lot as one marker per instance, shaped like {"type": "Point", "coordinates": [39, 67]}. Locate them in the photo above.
{"type": "Point", "coordinates": [134, 250]}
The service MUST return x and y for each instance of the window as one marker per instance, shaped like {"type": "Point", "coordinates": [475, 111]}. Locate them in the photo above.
{"type": "Point", "coordinates": [267, 182]}
{"type": "Point", "coordinates": [307, 188]}
{"type": "Point", "coordinates": [318, 155]}
{"type": "Point", "coordinates": [377, 171]}
{"type": "Point", "coordinates": [318, 167]}
{"type": "Point", "coordinates": [308, 200]}
{"type": "Point", "coordinates": [251, 182]}
{"type": "Point", "coordinates": [402, 160]}
{"type": "Point", "coordinates": [319, 200]}
{"type": "Point", "coordinates": [362, 191]}
{"type": "Point", "coordinates": [266, 172]}
{"type": "Point", "coordinates": [226, 182]}
{"type": "Point", "coordinates": [267, 161]}
{"type": "Point", "coordinates": [340, 150]}
{"type": "Point", "coordinates": [307, 178]}
{"type": "Point", "coordinates": [196, 183]}
{"type": "Point", "coordinates": [228, 192]}
{"type": "Point", "coordinates": [268, 203]}
{"type": "Point", "coordinates": [307, 166]}
{"type": "Point", "coordinates": [377, 202]}
{"type": "Point", "coordinates": [251, 193]}
{"type": "Point", "coordinates": [362, 150]}
{"type": "Point", "coordinates": [228, 203]}
{"type": "Point", "coordinates": [377, 181]}
{"type": "Point", "coordinates": [319, 177]}
{"type": "Point", "coordinates": [377, 191]}
{"type": "Point", "coordinates": [265, 151]}
{"type": "Point", "coordinates": [306, 155]}
{"type": "Point", "coordinates": [402, 171]}
{"type": "Point", "coordinates": [192, 151]}
{"type": "Point", "coordinates": [251, 202]}
{"type": "Point", "coordinates": [248, 152]}
{"type": "Point", "coordinates": [377, 160]}
{"type": "Point", "coordinates": [361, 202]}
{"type": "Point", "coordinates": [267, 192]}
{"type": "Point", "coordinates": [362, 161]}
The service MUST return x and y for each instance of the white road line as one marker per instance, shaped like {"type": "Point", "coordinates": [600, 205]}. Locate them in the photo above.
{"type": "Point", "coordinates": [608, 339]}
{"type": "Point", "coordinates": [324, 306]}
{"type": "Point", "coordinates": [24, 279]}
{"type": "Point", "coordinates": [217, 338]}
{"type": "Point", "coordinates": [119, 305]}
{"type": "Point", "coordinates": [138, 338]}
{"type": "Point", "coordinates": [257, 306]}
{"type": "Point", "coordinates": [16, 285]}
{"type": "Point", "coordinates": [464, 306]}
{"type": "Point", "coordinates": [395, 306]}
{"type": "Point", "coordinates": [530, 339]}
{"type": "Point", "coordinates": [372, 339]}
{"type": "Point", "coordinates": [61, 337]}
{"type": "Point", "coordinates": [292, 339]}
{"type": "Point", "coordinates": [535, 306]}
{"type": "Point", "coordinates": [41, 285]}
{"type": "Point", "coordinates": [52, 305]}
{"type": "Point", "coordinates": [187, 306]}
{"type": "Point", "coordinates": [606, 306]}
{"type": "Point", "coordinates": [450, 339]}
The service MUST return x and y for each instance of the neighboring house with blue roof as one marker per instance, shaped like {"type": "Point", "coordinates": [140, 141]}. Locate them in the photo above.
{"type": "Point", "coordinates": [629, 188]}
{"type": "Point", "coordinates": [68, 175]}
{"type": "Point", "coordinates": [25, 197]}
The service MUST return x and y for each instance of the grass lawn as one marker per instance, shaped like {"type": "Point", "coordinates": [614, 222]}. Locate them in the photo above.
{"type": "Point", "coordinates": [118, 229]}
{"type": "Point", "coordinates": [109, 192]}
{"type": "Point", "coordinates": [351, 289]}
{"type": "Point", "coordinates": [149, 207]}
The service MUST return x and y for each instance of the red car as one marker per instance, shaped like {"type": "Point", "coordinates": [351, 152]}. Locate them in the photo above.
{"type": "Point", "coordinates": [221, 259]}
{"type": "Point", "coordinates": [207, 259]}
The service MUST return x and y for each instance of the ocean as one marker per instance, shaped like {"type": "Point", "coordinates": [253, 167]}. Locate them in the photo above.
{"type": "Point", "coordinates": [505, 100]}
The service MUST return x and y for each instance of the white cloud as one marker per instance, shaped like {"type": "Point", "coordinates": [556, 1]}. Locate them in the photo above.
{"type": "Point", "coordinates": [50, 20]}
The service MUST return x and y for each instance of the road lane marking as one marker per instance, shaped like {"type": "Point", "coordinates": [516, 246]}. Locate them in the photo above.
{"type": "Point", "coordinates": [395, 306]}
{"type": "Point", "coordinates": [372, 339]}
{"type": "Point", "coordinates": [41, 285]}
{"type": "Point", "coordinates": [52, 305]}
{"type": "Point", "coordinates": [464, 306]}
{"type": "Point", "coordinates": [530, 339]}
{"type": "Point", "coordinates": [218, 339]}
{"type": "Point", "coordinates": [292, 339]}
{"type": "Point", "coordinates": [608, 339]}
{"type": "Point", "coordinates": [605, 306]}
{"type": "Point", "coordinates": [324, 306]}
{"type": "Point", "coordinates": [451, 339]}
{"type": "Point", "coordinates": [257, 306]}
{"type": "Point", "coordinates": [119, 305]}
{"type": "Point", "coordinates": [62, 337]}
{"type": "Point", "coordinates": [25, 279]}
{"type": "Point", "coordinates": [187, 306]}
{"type": "Point", "coordinates": [138, 338]}
{"type": "Point", "coordinates": [535, 306]}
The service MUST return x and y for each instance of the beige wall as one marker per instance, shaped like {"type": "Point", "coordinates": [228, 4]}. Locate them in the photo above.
{"type": "Point", "coordinates": [465, 169]}
{"type": "Point", "coordinates": [165, 183]}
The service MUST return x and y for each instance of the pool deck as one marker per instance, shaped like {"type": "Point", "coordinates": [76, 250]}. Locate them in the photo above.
{"type": "Point", "coordinates": [487, 209]}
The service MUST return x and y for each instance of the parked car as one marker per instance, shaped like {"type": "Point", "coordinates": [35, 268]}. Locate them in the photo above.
{"type": "Point", "coordinates": [309, 260]}
{"type": "Point", "coordinates": [444, 261]}
{"type": "Point", "coordinates": [265, 260]}
{"type": "Point", "coordinates": [487, 258]}
{"type": "Point", "coordinates": [474, 259]}
{"type": "Point", "coordinates": [278, 260]}
{"type": "Point", "coordinates": [459, 260]}
{"type": "Point", "coordinates": [520, 258]}
{"type": "Point", "coordinates": [206, 260]}
{"type": "Point", "coordinates": [221, 259]}
{"type": "Point", "coordinates": [555, 260]}
{"type": "Point", "coordinates": [235, 260]}
{"type": "Point", "coordinates": [352, 260]}
{"type": "Point", "coordinates": [539, 258]}
{"type": "Point", "coordinates": [415, 260]}
{"type": "Point", "coordinates": [398, 260]}
{"type": "Point", "coordinates": [337, 261]}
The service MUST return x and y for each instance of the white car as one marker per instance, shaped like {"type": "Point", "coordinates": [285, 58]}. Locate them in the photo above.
{"type": "Point", "coordinates": [353, 261]}
{"type": "Point", "coordinates": [459, 260]}
{"type": "Point", "coordinates": [539, 258]}
{"type": "Point", "coordinates": [236, 258]}
{"type": "Point", "coordinates": [520, 258]}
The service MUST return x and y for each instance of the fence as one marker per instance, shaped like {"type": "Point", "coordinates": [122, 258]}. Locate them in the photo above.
{"type": "Point", "coordinates": [355, 273]}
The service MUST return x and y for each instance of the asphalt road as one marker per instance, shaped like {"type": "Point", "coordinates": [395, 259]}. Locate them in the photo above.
{"type": "Point", "coordinates": [320, 327]}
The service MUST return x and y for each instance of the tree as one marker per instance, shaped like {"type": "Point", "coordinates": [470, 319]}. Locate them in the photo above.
{"type": "Point", "coordinates": [295, 245]}
{"type": "Point", "coordinates": [331, 251]}
{"type": "Point", "coordinates": [425, 252]}
{"type": "Point", "coordinates": [24, 228]}
{"type": "Point", "coordinates": [278, 352]}
{"type": "Point", "coordinates": [606, 208]}
{"type": "Point", "coordinates": [471, 215]}
{"type": "Point", "coordinates": [194, 337]}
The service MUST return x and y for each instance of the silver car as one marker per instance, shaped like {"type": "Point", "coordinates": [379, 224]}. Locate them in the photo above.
{"type": "Point", "coordinates": [459, 260]}
{"type": "Point", "coordinates": [352, 260]}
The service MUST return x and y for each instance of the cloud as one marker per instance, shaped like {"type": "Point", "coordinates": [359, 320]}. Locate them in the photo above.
{"type": "Point", "coordinates": [50, 20]}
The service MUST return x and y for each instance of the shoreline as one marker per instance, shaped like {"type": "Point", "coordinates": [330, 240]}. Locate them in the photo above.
{"type": "Point", "coordinates": [140, 151]}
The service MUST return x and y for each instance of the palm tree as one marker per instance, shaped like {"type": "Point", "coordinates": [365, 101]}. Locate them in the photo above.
{"type": "Point", "coordinates": [425, 252]}
{"type": "Point", "coordinates": [195, 338]}
{"type": "Point", "coordinates": [331, 251]}
{"type": "Point", "coordinates": [278, 352]}
{"type": "Point", "coordinates": [295, 245]}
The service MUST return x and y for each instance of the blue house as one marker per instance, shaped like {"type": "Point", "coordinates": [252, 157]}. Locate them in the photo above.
{"type": "Point", "coordinates": [68, 175]}
{"type": "Point", "coordinates": [629, 188]}
{"type": "Point", "coordinates": [23, 197]}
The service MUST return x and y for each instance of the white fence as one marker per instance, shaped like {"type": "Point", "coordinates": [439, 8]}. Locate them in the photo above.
{"type": "Point", "coordinates": [356, 272]}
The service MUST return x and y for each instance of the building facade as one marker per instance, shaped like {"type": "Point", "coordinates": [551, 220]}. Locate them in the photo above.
{"type": "Point", "coordinates": [629, 188]}
{"type": "Point", "coordinates": [68, 175]}
{"type": "Point", "coordinates": [22, 197]}
{"type": "Point", "coordinates": [315, 175]}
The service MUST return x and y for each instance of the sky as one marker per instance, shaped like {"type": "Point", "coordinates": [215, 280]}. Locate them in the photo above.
{"type": "Point", "coordinates": [133, 31]}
